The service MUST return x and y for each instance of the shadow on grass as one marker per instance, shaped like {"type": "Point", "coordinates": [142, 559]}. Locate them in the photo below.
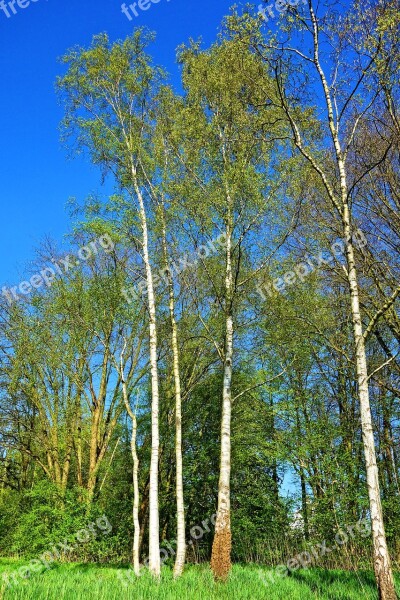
{"type": "Point", "coordinates": [322, 581]}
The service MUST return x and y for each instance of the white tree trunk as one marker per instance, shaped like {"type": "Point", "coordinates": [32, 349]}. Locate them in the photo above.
{"type": "Point", "coordinates": [381, 557]}
{"type": "Point", "coordinates": [135, 475]}
{"type": "Point", "coordinates": [154, 518]}
{"type": "Point", "coordinates": [221, 551]}
{"type": "Point", "coordinates": [180, 505]}
{"type": "Point", "coordinates": [136, 523]}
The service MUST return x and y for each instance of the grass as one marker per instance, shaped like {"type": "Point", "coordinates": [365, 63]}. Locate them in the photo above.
{"type": "Point", "coordinates": [85, 582]}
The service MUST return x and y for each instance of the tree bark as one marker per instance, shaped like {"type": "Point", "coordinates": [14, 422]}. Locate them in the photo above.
{"type": "Point", "coordinates": [154, 518]}
{"type": "Point", "coordinates": [180, 504]}
{"type": "Point", "coordinates": [222, 545]}
{"type": "Point", "coordinates": [135, 475]}
{"type": "Point", "coordinates": [381, 557]}
{"type": "Point", "coordinates": [304, 507]}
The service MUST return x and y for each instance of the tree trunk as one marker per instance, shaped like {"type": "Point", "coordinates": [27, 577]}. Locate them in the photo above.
{"type": "Point", "coordinates": [135, 475]}
{"type": "Point", "coordinates": [304, 507]}
{"type": "Point", "coordinates": [222, 545]}
{"type": "Point", "coordinates": [180, 505]}
{"type": "Point", "coordinates": [93, 454]}
{"type": "Point", "coordinates": [154, 518]}
{"type": "Point", "coordinates": [381, 557]}
{"type": "Point", "coordinates": [136, 523]}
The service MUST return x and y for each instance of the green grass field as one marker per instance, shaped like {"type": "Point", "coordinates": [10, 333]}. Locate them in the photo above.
{"type": "Point", "coordinates": [85, 582]}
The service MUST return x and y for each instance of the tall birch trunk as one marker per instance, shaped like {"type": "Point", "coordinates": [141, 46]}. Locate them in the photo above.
{"type": "Point", "coordinates": [381, 557]}
{"type": "Point", "coordinates": [180, 505]}
{"type": "Point", "coordinates": [154, 517]}
{"type": "Point", "coordinates": [222, 544]}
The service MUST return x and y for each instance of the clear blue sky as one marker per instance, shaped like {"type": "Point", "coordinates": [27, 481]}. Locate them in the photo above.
{"type": "Point", "coordinates": [36, 176]}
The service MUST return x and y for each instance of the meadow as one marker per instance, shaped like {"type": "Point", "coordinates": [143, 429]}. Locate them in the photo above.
{"type": "Point", "coordinates": [83, 581]}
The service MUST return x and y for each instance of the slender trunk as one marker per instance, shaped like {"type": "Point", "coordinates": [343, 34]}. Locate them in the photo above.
{"type": "Point", "coordinates": [381, 557]}
{"type": "Point", "coordinates": [135, 475]}
{"type": "Point", "coordinates": [77, 440]}
{"type": "Point", "coordinates": [180, 505]}
{"type": "Point", "coordinates": [154, 518]}
{"type": "Point", "coordinates": [96, 453]}
{"type": "Point", "coordinates": [78, 450]}
{"type": "Point", "coordinates": [386, 441]}
{"type": "Point", "coordinates": [394, 460]}
{"type": "Point", "coordinates": [57, 469]}
{"type": "Point", "coordinates": [304, 508]}
{"type": "Point", "coordinates": [222, 545]}
{"type": "Point", "coordinates": [275, 477]}
{"type": "Point", "coordinates": [136, 523]}
{"type": "Point", "coordinates": [93, 454]}
{"type": "Point", "coordinates": [143, 527]}
{"type": "Point", "coordinates": [66, 468]}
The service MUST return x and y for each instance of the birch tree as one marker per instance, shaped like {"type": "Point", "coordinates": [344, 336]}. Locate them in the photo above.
{"type": "Point", "coordinates": [221, 148]}
{"type": "Point", "coordinates": [180, 504]}
{"type": "Point", "coordinates": [109, 93]}
{"type": "Point", "coordinates": [329, 68]}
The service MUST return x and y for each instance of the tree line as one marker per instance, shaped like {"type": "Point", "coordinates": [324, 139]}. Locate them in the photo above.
{"type": "Point", "coordinates": [173, 387]}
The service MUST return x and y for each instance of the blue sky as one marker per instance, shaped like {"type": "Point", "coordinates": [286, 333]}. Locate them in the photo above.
{"type": "Point", "coordinates": [37, 178]}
